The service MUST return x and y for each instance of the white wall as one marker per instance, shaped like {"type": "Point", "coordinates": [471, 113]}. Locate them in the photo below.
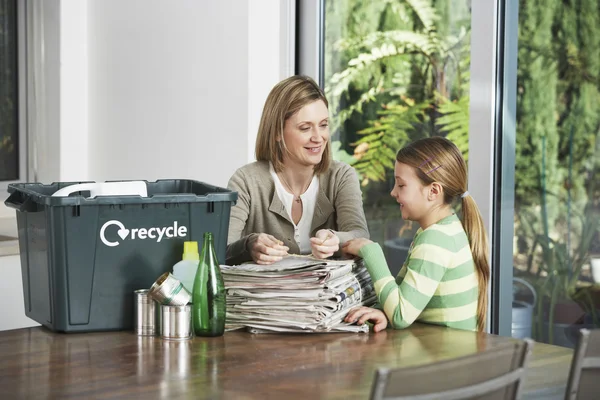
{"type": "Point", "coordinates": [177, 91]}
{"type": "Point", "coordinates": [74, 95]}
{"type": "Point", "coordinates": [168, 92]}
{"type": "Point", "coordinates": [148, 89]}
{"type": "Point", "coordinates": [12, 312]}
{"type": "Point", "coordinates": [271, 52]}
{"type": "Point", "coordinates": [142, 89]}
{"type": "Point", "coordinates": [5, 212]}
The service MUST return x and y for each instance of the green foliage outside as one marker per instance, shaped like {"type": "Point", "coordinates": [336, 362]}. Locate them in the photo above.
{"type": "Point", "coordinates": [402, 74]}
{"type": "Point", "coordinates": [558, 123]}
{"type": "Point", "coordinates": [396, 71]}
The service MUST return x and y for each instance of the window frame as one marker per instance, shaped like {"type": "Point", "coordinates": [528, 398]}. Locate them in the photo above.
{"type": "Point", "coordinates": [310, 39]}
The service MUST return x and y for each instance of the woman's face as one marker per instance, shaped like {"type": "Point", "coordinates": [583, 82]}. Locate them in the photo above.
{"type": "Point", "coordinates": [306, 134]}
{"type": "Point", "coordinates": [409, 192]}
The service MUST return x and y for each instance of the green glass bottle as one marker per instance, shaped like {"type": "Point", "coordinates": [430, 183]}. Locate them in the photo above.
{"type": "Point", "coordinates": [208, 295]}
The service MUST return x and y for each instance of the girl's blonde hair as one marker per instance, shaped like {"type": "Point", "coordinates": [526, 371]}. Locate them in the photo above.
{"type": "Point", "coordinates": [285, 99]}
{"type": "Point", "coordinates": [437, 159]}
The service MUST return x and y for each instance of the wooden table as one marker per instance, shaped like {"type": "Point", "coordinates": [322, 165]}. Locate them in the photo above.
{"type": "Point", "coordinates": [36, 363]}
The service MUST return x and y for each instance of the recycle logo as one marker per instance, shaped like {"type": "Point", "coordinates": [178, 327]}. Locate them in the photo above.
{"type": "Point", "coordinates": [156, 233]}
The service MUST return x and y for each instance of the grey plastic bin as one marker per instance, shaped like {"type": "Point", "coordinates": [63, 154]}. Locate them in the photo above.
{"type": "Point", "coordinates": [82, 258]}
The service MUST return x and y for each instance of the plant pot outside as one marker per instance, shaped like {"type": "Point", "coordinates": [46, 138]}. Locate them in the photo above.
{"type": "Point", "coordinates": [565, 312]}
{"type": "Point", "coordinates": [564, 335]}
{"type": "Point", "coordinates": [522, 320]}
{"type": "Point", "coordinates": [522, 309]}
{"type": "Point", "coordinates": [568, 319]}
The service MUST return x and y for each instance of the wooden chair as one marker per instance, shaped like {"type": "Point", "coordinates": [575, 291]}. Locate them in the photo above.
{"type": "Point", "coordinates": [584, 377]}
{"type": "Point", "coordinates": [492, 374]}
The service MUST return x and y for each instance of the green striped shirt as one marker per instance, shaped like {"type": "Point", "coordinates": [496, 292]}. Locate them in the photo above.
{"type": "Point", "coordinates": [437, 283]}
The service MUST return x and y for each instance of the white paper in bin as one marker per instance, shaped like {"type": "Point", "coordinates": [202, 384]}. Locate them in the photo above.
{"type": "Point", "coordinates": [125, 188]}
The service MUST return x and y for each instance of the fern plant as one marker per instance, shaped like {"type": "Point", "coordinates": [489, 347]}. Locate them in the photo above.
{"type": "Point", "coordinates": [454, 122]}
{"type": "Point", "coordinates": [376, 150]}
{"type": "Point", "coordinates": [380, 52]}
{"type": "Point", "coordinates": [406, 70]}
{"type": "Point", "coordinates": [400, 124]}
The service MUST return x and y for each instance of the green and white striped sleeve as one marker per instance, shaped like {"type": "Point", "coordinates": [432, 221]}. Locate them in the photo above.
{"type": "Point", "coordinates": [404, 303]}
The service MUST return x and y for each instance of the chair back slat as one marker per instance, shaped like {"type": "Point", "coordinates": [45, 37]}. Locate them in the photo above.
{"type": "Point", "coordinates": [492, 374]}
{"type": "Point", "coordinates": [475, 391]}
{"type": "Point", "coordinates": [593, 346]}
{"type": "Point", "coordinates": [584, 376]}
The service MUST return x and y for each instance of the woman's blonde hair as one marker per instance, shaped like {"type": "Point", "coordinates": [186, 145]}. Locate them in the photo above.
{"type": "Point", "coordinates": [437, 159]}
{"type": "Point", "coordinates": [284, 100]}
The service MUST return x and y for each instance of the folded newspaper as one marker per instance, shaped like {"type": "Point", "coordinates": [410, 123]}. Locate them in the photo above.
{"type": "Point", "coordinates": [296, 294]}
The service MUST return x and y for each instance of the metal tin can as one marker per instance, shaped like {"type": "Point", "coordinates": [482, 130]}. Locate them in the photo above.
{"type": "Point", "coordinates": [147, 314]}
{"type": "Point", "coordinates": [168, 290]}
{"type": "Point", "coordinates": [176, 322]}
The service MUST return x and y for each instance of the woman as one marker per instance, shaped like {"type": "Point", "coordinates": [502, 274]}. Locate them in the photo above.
{"type": "Point", "coordinates": [294, 199]}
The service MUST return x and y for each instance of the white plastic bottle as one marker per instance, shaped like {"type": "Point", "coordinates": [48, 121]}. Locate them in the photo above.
{"type": "Point", "coordinates": [185, 270]}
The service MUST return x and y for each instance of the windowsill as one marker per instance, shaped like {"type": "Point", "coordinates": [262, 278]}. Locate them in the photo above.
{"type": "Point", "coordinates": [9, 243]}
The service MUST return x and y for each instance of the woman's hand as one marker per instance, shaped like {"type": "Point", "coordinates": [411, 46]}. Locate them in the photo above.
{"type": "Point", "coordinates": [324, 244]}
{"type": "Point", "coordinates": [353, 246]}
{"type": "Point", "coordinates": [361, 315]}
{"type": "Point", "coordinates": [266, 249]}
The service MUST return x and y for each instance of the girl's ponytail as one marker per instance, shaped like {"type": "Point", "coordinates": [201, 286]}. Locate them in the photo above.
{"type": "Point", "coordinates": [473, 225]}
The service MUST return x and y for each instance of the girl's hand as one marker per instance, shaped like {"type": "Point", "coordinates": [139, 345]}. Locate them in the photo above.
{"type": "Point", "coordinates": [324, 244]}
{"type": "Point", "coordinates": [361, 315]}
{"type": "Point", "coordinates": [353, 246]}
{"type": "Point", "coordinates": [266, 249]}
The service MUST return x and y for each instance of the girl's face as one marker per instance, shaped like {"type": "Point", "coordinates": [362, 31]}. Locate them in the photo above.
{"type": "Point", "coordinates": [305, 135]}
{"type": "Point", "coordinates": [410, 193]}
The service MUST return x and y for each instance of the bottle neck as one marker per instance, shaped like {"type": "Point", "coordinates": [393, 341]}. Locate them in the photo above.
{"type": "Point", "coordinates": [208, 242]}
{"type": "Point", "coordinates": [208, 248]}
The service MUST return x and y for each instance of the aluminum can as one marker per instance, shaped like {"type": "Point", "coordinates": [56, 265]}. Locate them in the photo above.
{"type": "Point", "coordinates": [168, 290]}
{"type": "Point", "coordinates": [176, 322]}
{"type": "Point", "coordinates": [147, 314]}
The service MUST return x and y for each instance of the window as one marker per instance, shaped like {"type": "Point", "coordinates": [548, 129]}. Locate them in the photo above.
{"type": "Point", "coordinates": [395, 71]}
{"type": "Point", "coordinates": [557, 196]}
{"type": "Point", "coordinates": [9, 127]}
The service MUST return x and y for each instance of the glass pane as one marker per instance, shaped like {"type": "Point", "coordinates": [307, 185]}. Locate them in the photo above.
{"type": "Point", "coordinates": [395, 71]}
{"type": "Point", "coordinates": [557, 189]}
{"type": "Point", "coordinates": [9, 161]}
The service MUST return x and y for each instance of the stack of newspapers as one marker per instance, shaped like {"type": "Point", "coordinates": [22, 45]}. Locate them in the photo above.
{"type": "Point", "coordinates": [296, 294]}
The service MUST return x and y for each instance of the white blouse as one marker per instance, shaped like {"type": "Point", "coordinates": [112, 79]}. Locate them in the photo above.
{"type": "Point", "coordinates": [309, 199]}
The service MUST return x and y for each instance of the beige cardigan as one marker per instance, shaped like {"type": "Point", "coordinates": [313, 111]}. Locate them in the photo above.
{"type": "Point", "coordinates": [259, 209]}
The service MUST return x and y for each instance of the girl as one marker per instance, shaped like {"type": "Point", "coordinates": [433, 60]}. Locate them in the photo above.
{"type": "Point", "coordinates": [445, 276]}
